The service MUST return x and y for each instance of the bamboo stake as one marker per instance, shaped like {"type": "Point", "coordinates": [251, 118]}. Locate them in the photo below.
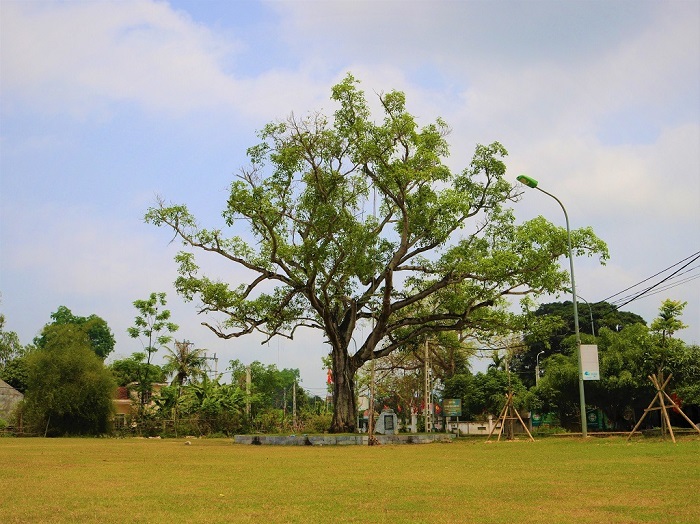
{"type": "Point", "coordinates": [678, 408]}
{"type": "Point", "coordinates": [664, 412]}
{"type": "Point", "coordinates": [524, 426]}
{"type": "Point", "coordinates": [503, 411]}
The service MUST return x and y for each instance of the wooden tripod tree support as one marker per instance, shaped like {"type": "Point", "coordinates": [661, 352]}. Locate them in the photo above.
{"type": "Point", "coordinates": [507, 414]}
{"type": "Point", "coordinates": [661, 397]}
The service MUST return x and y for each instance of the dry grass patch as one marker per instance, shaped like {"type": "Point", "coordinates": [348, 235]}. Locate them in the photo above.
{"type": "Point", "coordinates": [134, 480]}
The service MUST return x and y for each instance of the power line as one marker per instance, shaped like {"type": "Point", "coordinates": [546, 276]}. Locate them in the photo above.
{"type": "Point", "coordinates": [684, 281]}
{"type": "Point", "coordinates": [644, 292]}
{"type": "Point", "coordinates": [652, 276]}
{"type": "Point", "coordinates": [670, 284]}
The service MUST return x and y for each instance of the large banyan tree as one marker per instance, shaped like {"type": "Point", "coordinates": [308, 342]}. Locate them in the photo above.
{"type": "Point", "coordinates": [346, 223]}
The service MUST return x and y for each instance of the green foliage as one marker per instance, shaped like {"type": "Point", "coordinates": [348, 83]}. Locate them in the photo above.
{"type": "Point", "coordinates": [98, 332]}
{"type": "Point", "coordinates": [69, 389]}
{"type": "Point", "coordinates": [128, 370]}
{"type": "Point", "coordinates": [201, 408]}
{"type": "Point", "coordinates": [271, 388]}
{"type": "Point", "coordinates": [461, 386]}
{"type": "Point", "coordinates": [153, 327]}
{"type": "Point", "coordinates": [317, 422]}
{"type": "Point", "coordinates": [627, 358]}
{"type": "Point", "coordinates": [184, 362]}
{"type": "Point", "coordinates": [668, 321]}
{"type": "Point", "coordinates": [399, 378]}
{"type": "Point", "coordinates": [16, 374]}
{"type": "Point", "coordinates": [549, 327]}
{"type": "Point", "coordinates": [440, 252]}
{"type": "Point", "coordinates": [10, 347]}
{"type": "Point", "coordinates": [557, 391]}
{"type": "Point", "coordinates": [490, 389]}
{"type": "Point", "coordinates": [216, 407]}
{"type": "Point", "coordinates": [685, 365]}
{"type": "Point", "coordinates": [484, 394]}
{"type": "Point", "coordinates": [152, 324]}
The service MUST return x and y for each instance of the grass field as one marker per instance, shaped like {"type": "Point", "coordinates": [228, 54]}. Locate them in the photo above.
{"type": "Point", "coordinates": [213, 481]}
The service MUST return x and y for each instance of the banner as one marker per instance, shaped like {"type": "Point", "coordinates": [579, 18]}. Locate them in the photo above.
{"type": "Point", "coordinates": [589, 362]}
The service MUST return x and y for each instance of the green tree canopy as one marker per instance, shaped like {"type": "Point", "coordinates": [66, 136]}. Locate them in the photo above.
{"type": "Point", "coordinates": [439, 251]}
{"type": "Point", "coordinates": [128, 370]}
{"type": "Point", "coordinates": [399, 378]}
{"type": "Point", "coordinates": [69, 389]}
{"type": "Point", "coordinates": [14, 372]}
{"type": "Point", "coordinates": [552, 323]}
{"type": "Point", "coordinates": [98, 332]}
{"type": "Point", "coordinates": [13, 368]}
{"type": "Point", "coordinates": [270, 387]}
{"type": "Point", "coordinates": [10, 346]}
{"type": "Point", "coordinates": [627, 358]}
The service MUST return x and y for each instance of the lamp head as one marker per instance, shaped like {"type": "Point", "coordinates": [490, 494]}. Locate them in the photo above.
{"type": "Point", "coordinates": [528, 181]}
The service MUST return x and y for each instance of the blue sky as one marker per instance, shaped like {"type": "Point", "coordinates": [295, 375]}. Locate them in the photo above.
{"type": "Point", "coordinates": [104, 105]}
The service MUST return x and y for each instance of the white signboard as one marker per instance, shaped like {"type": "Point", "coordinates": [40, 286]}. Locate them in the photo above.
{"type": "Point", "coordinates": [589, 362]}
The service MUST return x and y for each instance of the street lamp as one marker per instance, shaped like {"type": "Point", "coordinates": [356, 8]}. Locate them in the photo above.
{"type": "Point", "coordinates": [532, 183]}
{"type": "Point", "coordinates": [590, 312]}
{"type": "Point", "coordinates": [537, 367]}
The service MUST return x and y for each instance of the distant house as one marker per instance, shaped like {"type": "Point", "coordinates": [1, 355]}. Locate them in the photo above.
{"type": "Point", "coordinates": [126, 402]}
{"type": "Point", "coordinates": [122, 406]}
{"type": "Point", "coordinates": [9, 399]}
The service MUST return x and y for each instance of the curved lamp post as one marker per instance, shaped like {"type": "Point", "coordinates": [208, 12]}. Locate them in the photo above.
{"type": "Point", "coordinates": [532, 183]}
{"type": "Point", "coordinates": [590, 312]}
{"type": "Point", "coordinates": [537, 367]}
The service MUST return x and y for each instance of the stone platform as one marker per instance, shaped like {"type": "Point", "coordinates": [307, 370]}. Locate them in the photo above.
{"type": "Point", "coordinates": [339, 440]}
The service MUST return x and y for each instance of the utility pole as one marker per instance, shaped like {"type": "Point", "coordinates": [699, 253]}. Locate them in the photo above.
{"type": "Point", "coordinates": [247, 391]}
{"type": "Point", "coordinates": [216, 363]}
{"type": "Point", "coordinates": [370, 420]}
{"type": "Point", "coordinates": [426, 389]}
{"type": "Point", "coordinates": [294, 404]}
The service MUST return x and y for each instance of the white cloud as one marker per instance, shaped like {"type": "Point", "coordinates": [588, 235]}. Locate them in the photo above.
{"type": "Point", "coordinates": [566, 87]}
{"type": "Point", "coordinates": [85, 58]}
{"type": "Point", "coordinates": [80, 253]}
{"type": "Point", "coordinates": [74, 56]}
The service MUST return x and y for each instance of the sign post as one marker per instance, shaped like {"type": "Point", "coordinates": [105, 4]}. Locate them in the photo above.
{"type": "Point", "coordinates": [452, 407]}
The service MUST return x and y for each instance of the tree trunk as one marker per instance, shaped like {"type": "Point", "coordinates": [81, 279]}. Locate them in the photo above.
{"type": "Point", "coordinates": [344, 405]}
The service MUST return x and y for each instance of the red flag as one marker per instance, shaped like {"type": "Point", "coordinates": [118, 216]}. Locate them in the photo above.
{"type": "Point", "coordinates": [329, 377]}
{"type": "Point", "coordinates": [677, 402]}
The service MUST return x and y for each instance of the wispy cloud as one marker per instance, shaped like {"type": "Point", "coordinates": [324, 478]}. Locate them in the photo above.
{"type": "Point", "coordinates": [73, 57]}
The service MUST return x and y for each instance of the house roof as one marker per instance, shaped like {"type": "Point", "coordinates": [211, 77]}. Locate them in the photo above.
{"type": "Point", "coordinates": [9, 398]}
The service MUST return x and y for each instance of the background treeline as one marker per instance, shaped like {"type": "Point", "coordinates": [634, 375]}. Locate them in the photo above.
{"type": "Point", "coordinates": [69, 390]}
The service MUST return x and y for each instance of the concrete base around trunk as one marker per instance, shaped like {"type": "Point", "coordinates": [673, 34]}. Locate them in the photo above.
{"type": "Point", "coordinates": [339, 440]}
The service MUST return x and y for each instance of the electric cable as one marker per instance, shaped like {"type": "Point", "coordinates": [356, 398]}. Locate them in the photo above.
{"type": "Point", "coordinates": [670, 285]}
{"type": "Point", "coordinates": [644, 292]}
{"type": "Point", "coordinates": [649, 278]}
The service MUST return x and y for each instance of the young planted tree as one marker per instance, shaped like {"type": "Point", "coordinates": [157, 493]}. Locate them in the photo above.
{"type": "Point", "coordinates": [153, 327]}
{"type": "Point", "coordinates": [440, 253]}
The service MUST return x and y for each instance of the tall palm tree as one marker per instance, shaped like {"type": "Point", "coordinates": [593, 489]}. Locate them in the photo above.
{"type": "Point", "coordinates": [185, 362]}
